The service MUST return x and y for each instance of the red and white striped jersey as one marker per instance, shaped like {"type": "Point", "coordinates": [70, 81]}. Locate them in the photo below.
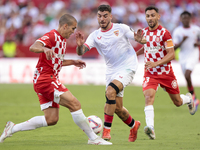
{"type": "Point", "coordinates": [155, 49]}
{"type": "Point", "coordinates": [57, 43]}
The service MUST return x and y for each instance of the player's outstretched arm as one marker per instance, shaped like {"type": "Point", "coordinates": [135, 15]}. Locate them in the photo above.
{"type": "Point", "coordinates": [80, 49]}
{"type": "Point", "coordinates": [38, 47]}
{"type": "Point", "coordinates": [78, 63]}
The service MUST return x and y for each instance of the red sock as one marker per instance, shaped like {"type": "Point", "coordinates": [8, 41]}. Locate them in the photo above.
{"type": "Point", "coordinates": [108, 120]}
{"type": "Point", "coordinates": [130, 121]}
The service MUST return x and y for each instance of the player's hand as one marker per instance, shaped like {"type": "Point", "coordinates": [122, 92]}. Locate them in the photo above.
{"type": "Point", "coordinates": [80, 64]}
{"type": "Point", "coordinates": [79, 38]}
{"type": "Point", "coordinates": [139, 36]}
{"type": "Point", "coordinates": [49, 53]}
{"type": "Point", "coordinates": [150, 64]}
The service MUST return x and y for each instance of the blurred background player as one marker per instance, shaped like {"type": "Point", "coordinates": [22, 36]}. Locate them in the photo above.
{"type": "Point", "coordinates": [186, 37]}
{"type": "Point", "coordinates": [111, 41]}
{"type": "Point", "coordinates": [52, 93]}
{"type": "Point", "coordinates": [158, 52]}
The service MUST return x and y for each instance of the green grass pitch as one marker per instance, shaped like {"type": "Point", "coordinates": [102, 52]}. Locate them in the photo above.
{"type": "Point", "coordinates": [175, 128]}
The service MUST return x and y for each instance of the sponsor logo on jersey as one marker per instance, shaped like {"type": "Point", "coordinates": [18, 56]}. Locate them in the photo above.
{"type": "Point", "coordinates": [121, 77]}
{"type": "Point", "coordinates": [99, 38]}
{"type": "Point", "coordinates": [116, 32]}
{"type": "Point", "coordinates": [44, 37]}
{"type": "Point", "coordinates": [153, 49]}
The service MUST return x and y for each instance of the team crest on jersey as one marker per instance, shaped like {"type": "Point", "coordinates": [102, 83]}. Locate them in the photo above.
{"type": "Point", "coordinates": [157, 39]}
{"type": "Point", "coordinates": [44, 37]}
{"type": "Point", "coordinates": [174, 84]}
{"type": "Point", "coordinates": [116, 32]}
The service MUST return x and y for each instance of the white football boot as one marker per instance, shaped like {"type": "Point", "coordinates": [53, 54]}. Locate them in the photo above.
{"type": "Point", "coordinates": [149, 131]}
{"type": "Point", "coordinates": [191, 105]}
{"type": "Point", "coordinates": [99, 141]}
{"type": "Point", "coordinates": [7, 131]}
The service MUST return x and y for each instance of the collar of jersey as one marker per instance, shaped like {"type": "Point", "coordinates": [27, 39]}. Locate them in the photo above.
{"type": "Point", "coordinates": [108, 29]}
{"type": "Point", "coordinates": [54, 30]}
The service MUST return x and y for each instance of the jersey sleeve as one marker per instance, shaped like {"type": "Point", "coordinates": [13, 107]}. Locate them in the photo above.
{"type": "Point", "coordinates": [90, 43]}
{"type": "Point", "coordinates": [167, 39]}
{"type": "Point", "coordinates": [128, 31]}
{"type": "Point", "coordinates": [46, 39]}
{"type": "Point", "coordinates": [176, 37]}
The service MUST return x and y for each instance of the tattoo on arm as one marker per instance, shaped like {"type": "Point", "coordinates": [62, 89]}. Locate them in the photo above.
{"type": "Point", "coordinates": [81, 49]}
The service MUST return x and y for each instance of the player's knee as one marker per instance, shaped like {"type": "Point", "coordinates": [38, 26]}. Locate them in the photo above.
{"type": "Point", "coordinates": [149, 98]}
{"type": "Point", "coordinates": [110, 93]}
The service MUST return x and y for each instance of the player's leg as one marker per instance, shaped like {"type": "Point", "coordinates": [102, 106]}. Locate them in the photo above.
{"type": "Point", "coordinates": [109, 109]}
{"type": "Point", "coordinates": [125, 116]}
{"type": "Point", "coordinates": [182, 99]}
{"type": "Point", "coordinates": [74, 106]}
{"type": "Point", "coordinates": [149, 95]}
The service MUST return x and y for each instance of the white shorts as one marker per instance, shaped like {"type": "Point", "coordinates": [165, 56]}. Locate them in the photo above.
{"type": "Point", "coordinates": [123, 76]}
{"type": "Point", "coordinates": [188, 64]}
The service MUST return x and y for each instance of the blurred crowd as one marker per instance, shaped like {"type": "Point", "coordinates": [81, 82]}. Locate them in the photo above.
{"type": "Point", "coordinates": [23, 21]}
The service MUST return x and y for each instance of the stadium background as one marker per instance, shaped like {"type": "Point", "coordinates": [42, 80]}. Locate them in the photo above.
{"type": "Point", "coordinates": [23, 21]}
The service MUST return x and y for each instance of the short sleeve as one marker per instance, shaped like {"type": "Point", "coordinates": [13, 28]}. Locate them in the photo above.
{"type": "Point", "coordinates": [90, 42]}
{"type": "Point", "coordinates": [46, 39]}
{"type": "Point", "coordinates": [128, 31]}
{"type": "Point", "coordinates": [167, 39]}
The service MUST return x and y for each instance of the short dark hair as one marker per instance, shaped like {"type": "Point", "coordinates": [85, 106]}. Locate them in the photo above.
{"type": "Point", "coordinates": [152, 7]}
{"type": "Point", "coordinates": [186, 13]}
{"type": "Point", "coordinates": [67, 19]}
{"type": "Point", "coordinates": [104, 8]}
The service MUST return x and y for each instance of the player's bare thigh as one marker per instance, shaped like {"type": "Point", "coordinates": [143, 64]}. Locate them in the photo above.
{"type": "Point", "coordinates": [149, 95]}
{"type": "Point", "coordinates": [67, 99]}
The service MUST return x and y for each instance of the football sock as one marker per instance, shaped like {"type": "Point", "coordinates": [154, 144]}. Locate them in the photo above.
{"type": "Point", "coordinates": [80, 120]}
{"type": "Point", "coordinates": [108, 121]}
{"type": "Point", "coordinates": [185, 99]}
{"type": "Point", "coordinates": [149, 115]}
{"type": "Point", "coordinates": [33, 123]}
{"type": "Point", "coordinates": [191, 89]}
{"type": "Point", "coordinates": [130, 121]}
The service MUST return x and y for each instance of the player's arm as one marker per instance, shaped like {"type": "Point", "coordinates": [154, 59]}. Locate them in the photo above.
{"type": "Point", "coordinates": [167, 58]}
{"type": "Point", "coordinates": [38, 47]}
{"type": "Point", "coordinates": [140, 51]}
{"type": "Point", "coordinates": [81, 48]}
{"type": "Point", "coordinates": [179, 44]}
{"type": "Point", "coordinates": [78, 63]}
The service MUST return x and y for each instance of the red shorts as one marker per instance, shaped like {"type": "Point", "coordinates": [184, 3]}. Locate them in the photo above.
{"type": "Point", "coordinates": [49, 92]}
{"type": "Point", "coordinates": [167, 82]}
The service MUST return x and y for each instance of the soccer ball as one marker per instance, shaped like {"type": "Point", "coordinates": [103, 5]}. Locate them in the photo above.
{"type": "Point", "coordinates": [95, 123]}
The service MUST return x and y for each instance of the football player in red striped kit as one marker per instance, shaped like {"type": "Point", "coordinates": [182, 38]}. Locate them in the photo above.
{"type": "Point", "coordinates": [52, 93]}
{"type": "Point", "coordinates": [158, 53]}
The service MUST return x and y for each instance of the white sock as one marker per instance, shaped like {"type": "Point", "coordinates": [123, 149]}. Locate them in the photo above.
{"type": "Point", "coordinates": [149, 115]}
{"type": "Point", "coordinates": [185, 99]}
{"type": "Point", "coordinates": [80, 120]}
{"type": "Point", "coordinates": [33, 123]}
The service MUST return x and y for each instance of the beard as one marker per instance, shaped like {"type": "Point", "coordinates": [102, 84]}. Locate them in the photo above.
{"type": "Point", "coordinates": [153, 25]}
{"type": "Point", "coordinates": [105, 26]}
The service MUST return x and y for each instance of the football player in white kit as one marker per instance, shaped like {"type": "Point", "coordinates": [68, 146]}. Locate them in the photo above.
{"type": "Point", "coordinates": [112, 41]}
{"type": "Point", "coordinates": [186, 37]}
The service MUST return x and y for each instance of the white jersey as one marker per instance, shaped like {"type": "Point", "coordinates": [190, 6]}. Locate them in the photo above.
{"type": "Point", "coordinates": [115, 47]}
{"type": "Point", "coordinates": [188, 51]}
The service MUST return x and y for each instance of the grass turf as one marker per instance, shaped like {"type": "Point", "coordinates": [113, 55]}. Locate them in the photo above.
{"type": "Point", "coordinates": [175, 128]}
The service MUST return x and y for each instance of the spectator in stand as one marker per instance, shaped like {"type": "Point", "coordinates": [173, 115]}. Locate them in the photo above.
{"type": "Point", "coordinates": [9, 47]}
